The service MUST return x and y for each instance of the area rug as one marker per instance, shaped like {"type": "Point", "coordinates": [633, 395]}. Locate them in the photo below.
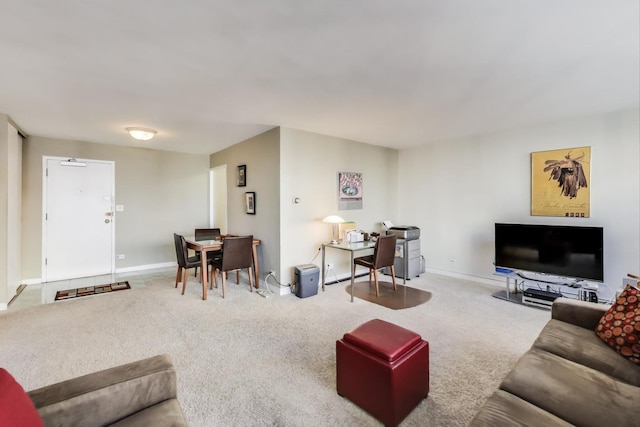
{"type": "Point", "coordinates": [91, 290]}
{"type": "Point", "coordinates": [404, 297]}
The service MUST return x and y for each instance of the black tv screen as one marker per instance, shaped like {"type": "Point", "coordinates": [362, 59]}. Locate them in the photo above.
{"type": "Point", "coordinates": [567, 251]}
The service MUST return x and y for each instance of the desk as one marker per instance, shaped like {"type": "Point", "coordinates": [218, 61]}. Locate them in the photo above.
{"type": "Point", "coordinates": [346, 246]}
{"type": "Point", "coordinates": [204, 246]}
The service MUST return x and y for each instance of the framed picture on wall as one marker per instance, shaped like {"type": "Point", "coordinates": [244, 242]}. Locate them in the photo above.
{"type": "Point", "coordinates": [242, 176]}
{"type": "Point", "coordinates": [349, 190]}
{"type": "Point", "coordinates": [560, 183]}
{"type": "Point", "coordinates": [250, 202]}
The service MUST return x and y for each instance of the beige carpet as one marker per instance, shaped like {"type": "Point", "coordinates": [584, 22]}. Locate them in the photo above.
{"type": "Point", "coordinates": [253, 361]}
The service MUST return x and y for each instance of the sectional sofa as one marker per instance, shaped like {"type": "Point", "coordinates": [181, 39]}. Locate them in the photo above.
{"type": "Point", "coordinates": [570, 376]}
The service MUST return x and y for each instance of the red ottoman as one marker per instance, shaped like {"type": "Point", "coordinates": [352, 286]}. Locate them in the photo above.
{"type": "Point", "coordinates": [384, 369]}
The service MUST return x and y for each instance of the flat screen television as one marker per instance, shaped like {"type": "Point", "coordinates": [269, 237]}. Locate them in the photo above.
{"type": "Point", "coordinates": [560, 250]}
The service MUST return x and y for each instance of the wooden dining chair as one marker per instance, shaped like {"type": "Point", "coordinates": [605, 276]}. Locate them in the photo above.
{"type": "Point", "coordinates": [384, 254]}
{"type": "Point", "coordinates": [207, 234]}
{"type": "Point", "coordinates": [237, 253]}
{"type": "Point", "coordinates": [185, 261]}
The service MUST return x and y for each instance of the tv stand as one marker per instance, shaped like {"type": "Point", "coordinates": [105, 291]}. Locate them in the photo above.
{"type": "Point", "coordinates": [542, 283]}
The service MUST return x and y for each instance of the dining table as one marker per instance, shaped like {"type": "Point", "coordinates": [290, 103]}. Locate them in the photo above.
{"type": "Point", "coordinates": [204, 246]}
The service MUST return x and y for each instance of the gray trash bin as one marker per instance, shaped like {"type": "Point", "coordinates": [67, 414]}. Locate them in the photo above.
{"type": "Point", "coordinates": [306, 280]}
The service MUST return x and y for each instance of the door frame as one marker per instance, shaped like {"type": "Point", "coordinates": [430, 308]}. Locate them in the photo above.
{"type": "Point", "coordinates": [45, 159]}
{"type": "Point", "coordinates": [218, 197]}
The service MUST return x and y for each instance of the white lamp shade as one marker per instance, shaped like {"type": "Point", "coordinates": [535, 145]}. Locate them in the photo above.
{"type": "Point", "coordinates": [333, 219]}
{"type": "Point", "coordinates": [142, 134]}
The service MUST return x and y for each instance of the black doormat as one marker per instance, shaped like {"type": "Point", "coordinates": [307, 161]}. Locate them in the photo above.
{"type": "Point", "coordinates": [91, 290]}
{"type": "Point", "coordinates": [404, 297]}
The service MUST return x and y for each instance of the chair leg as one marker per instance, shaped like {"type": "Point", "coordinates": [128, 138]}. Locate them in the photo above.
{"type": "Point", "coordinates": [250, 279]}
{"type": "Point", "coordinates": [393, 277]}
{"type": "Point", "coordinates": [178, 276]}
{"type": "Point", "coordinates": [185, 276]}
{"type": "Point", "coordinates": [224, 283]}
{"type": "Point", "coordinates": [370, 270]}
{"type": "Point", "coordinates": [237, 276]}
{"type": "Point", "coordinates": [375, 277]}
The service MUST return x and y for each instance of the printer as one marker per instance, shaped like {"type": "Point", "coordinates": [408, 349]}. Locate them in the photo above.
{"type": "Point", "coordinates": [408, 262]}
{"type": "Point", "coordinates": [407, 232]}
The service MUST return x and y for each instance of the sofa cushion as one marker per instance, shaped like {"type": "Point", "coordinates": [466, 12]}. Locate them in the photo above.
{"type": "Point", "coordinates": [104, 397]}
{"type": "Point", "coordinates": [16, 409]}
{"type": "Point", "coordinates": [505, 409]}
{"type": "Point", "coordinates": [620, 325]}
{"type": "Point", "coordinates": [577, 394]}
{"type": "Point", "coordinates": [164, 414]}
{"type": "Point", "coordinates": [582, 346]}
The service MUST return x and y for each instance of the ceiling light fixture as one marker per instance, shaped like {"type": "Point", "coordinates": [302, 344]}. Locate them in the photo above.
{"type": "Point", "coordinates": [142, 134]}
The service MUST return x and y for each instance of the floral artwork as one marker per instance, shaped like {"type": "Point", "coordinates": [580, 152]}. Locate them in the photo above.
{"type": "Point", "coordinates": [349, 190]}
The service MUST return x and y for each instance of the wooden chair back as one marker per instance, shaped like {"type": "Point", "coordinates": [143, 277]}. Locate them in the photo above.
{"type": "Point", "coordinates": [237, 252]}
{"type": "Point", "coordinates": [207, 233]}
{"type": "Point", "coordinates": [385, 251]}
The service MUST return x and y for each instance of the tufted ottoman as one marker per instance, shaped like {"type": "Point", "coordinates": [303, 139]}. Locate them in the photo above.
{"type": "Point", "coordinates": [384, 369]}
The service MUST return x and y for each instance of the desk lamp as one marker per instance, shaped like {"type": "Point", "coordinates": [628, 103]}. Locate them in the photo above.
{"type": "Point", "coordinates": [334, 220]}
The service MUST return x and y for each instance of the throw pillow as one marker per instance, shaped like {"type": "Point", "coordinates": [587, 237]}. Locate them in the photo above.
{"type": "Point", "coordinates": [16, 409]}
{"type": "Point", "coordinates": [620, 325]}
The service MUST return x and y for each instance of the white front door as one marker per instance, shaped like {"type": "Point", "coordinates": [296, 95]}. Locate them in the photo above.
{"type": "Point", "coordinates": [78, 227]}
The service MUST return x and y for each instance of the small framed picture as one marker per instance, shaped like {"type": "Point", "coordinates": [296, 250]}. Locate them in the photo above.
{"type": "Point", "coordinates": [250, 202]}
{"type": "Point", "coordinates": [242, 176]}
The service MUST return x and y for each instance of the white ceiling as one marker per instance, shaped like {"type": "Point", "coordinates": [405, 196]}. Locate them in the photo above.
{"type": "Point", "coordinates": [210, 73]}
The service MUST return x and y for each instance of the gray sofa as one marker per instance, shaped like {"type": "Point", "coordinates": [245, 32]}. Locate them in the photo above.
{"type": "Point", "coordinates": [141, 393]}
{"type": "Point", "coordinates": [568, 377]}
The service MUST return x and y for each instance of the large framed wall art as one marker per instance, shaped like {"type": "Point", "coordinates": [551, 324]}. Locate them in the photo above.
{"type": "Point", "coordinates": [560, 182]}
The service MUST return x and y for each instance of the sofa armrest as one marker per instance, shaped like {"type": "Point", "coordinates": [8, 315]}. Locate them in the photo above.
{"type": "Point", "coordinates": [107, 396]}
{"type": "Point", "coordinates": [580, 313]}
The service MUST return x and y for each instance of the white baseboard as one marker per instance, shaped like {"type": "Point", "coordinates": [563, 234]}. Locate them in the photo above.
{"type": "Point", "coordinates": [146, 267]}
{"type": "Point", "coordinates": [284, 290]}
{"type": "Point", "coordinates": [4, 306]}
{"type": "Point", "coordinates": [493, 282]}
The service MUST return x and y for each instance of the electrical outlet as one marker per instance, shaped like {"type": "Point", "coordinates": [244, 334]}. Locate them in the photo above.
{"type": "Point", "coordinates": [121, 256]}
{"type": "Point", "coordinates": [452, 260]}
{"type": "Point", "coordinates": [272, 272]}
{"type": "Point", "coordinates": [329, 266]}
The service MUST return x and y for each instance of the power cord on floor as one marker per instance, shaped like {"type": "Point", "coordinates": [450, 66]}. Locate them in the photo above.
{"type": "Point", "coordinates": [280, 285]}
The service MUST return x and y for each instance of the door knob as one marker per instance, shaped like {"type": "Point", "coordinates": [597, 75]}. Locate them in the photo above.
{"type": "Point", "coordinates": [107, 221]}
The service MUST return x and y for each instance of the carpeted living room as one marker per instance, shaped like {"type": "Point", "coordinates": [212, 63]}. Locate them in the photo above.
{"type": "Point", "coordinates": [249, 360]}
{"type": "Point", "coordinates": [451, 119]}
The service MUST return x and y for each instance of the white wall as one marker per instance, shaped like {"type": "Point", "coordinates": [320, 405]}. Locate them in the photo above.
{"type": "Point", "coordinates": [14, 211]}
{"type": "Point", "coordinates": [456, 191]}
{"type": "Point", "coordinates": [309, 166]}
{"type": "Point", "coordinates": [10, 210]}
{"type": "Point", "coordinates": [219, 198]}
